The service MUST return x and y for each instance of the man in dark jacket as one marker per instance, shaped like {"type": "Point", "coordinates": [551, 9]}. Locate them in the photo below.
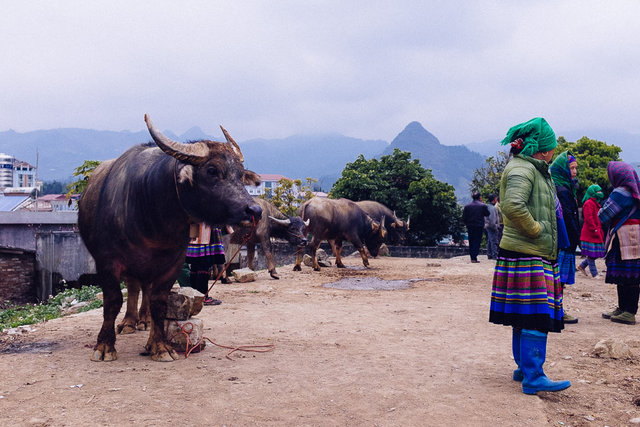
{"type": "Point", "coordinates": [473, 217]}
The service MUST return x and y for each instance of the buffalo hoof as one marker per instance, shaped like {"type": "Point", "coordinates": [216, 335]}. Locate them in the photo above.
{"type": "Point", "coordinates": [143, 325]}
{"type": "Point", "coordinates": [161, 352]}
{"type": "Point", "coordinates": [341, 265]}
{"type": "Point", "coordinates": [104, 353]}
{"type": "Point", "coordinates": [316, 268]}
{"type": "Point", "coordinates": [274, 274]}
{"type": "Point", "coordinates": [126, 329]}
{"type": "Point", "coordinates": [297, 267]}
{"type": "Point", "coordinates": [127, 326]}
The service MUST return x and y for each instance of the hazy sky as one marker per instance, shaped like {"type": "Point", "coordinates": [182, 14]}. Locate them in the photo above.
{"type": "Point", "coordinates": [467, 70]}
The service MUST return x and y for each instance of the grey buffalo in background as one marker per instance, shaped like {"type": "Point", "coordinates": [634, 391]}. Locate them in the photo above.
{"type": "Point", "coordinates": [338, 220]}
{"type": "Point", "coordinates": [274, 224]}
{"type": "Point", "coordinates": [396, 228]}
{"type": "Point", "coordinates": [134, 219]}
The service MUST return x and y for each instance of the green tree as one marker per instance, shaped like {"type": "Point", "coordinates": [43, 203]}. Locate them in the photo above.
{"type": "Point", "coordinates": [53, 187]}
{"type": "Point", "coordinates": [405, 187]}
{"type": "Point", "coordinates": [83, 172]}
{"type": "Point", "coordinates": [486, 180]}
{"type": "Point", "coordinates": [288, 195]}
{"type": "Point", "coordinates": [435, 212]}
{"type": "Point", "coordinates": [386, 180]}
{"type": "Point", "coordinates": [592, 156]}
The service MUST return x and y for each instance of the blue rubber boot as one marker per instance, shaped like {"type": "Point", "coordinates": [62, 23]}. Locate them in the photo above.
{"type": "Point", "coordinates": [515, 346]}
{"type": "Point", "coordinates": [533, 352]}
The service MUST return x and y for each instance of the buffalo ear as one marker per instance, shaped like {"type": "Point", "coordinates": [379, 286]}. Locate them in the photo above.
{"type": "Point", "coordinates": [251, 178]}
{"type": "Point", "coordinates": [375, 226]}
{"type": "Point", "coordinates": [186, 174]}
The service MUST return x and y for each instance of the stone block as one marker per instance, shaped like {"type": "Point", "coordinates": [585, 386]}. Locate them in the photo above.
{"type": "Point", "coordinates": [244, 275]}
{"type": "Point", "coordinates": [612, 348]}
{"type": "Point", "coordinates": [183, 333]}
{"type": "Point", "coordinates": [183, 303]}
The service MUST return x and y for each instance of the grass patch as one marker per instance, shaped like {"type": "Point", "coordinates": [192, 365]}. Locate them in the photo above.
{"type": "Point", "coordinates": [28, 314]}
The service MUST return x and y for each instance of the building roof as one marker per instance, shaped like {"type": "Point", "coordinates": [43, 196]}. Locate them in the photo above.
{"type": "Point", "coordinates": [272, 177]}
{"type": "Point", "coordinates": [9, 203]}
{"type": "Point", "coordinates": [53, 197]}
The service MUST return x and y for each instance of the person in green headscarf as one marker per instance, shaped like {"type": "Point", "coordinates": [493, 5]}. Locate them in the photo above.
{"type": "Point", "coordinates": [564, 171]}
{"type": "Point", "coordinates": [526, 293]}
{"type": "Point", "coordinates": [591, 236]}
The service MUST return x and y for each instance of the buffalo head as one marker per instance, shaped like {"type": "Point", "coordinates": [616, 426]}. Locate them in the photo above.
{"type": "Point", "coordinates": [209, 178]}
{"type": "Point", "coordinates": [377, 237]}
{"type": "Point", "coordinates": [296, 229]}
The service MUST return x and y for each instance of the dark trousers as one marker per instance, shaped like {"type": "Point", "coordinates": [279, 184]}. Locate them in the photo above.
{"type": "Point", "coordinates": [199, 276]}
{"type": "Point", "coordinates": [475, 238]}
{"type": "Point", "coordinates": [628, 298]}
{"type": "Point", "coordinates": [492, 243]}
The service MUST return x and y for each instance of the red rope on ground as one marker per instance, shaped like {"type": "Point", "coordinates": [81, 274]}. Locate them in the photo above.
{"type": "Point", "coordinates": [187, 328]}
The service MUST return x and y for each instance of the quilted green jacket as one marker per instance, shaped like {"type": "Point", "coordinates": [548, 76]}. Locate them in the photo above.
{"type": "Point", "coordinates": [527, 200]}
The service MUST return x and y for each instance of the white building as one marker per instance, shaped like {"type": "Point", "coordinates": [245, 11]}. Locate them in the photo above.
{"type": "Point", "coordinates": [268, 184]}
{"type": "Point", "coordinates": [16, 173]}
{"type": "Point", "coordinates": [6, 170]}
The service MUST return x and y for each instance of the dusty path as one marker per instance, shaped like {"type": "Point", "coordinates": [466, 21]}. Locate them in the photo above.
{"type": "Point", "coordinates": [425, 355]}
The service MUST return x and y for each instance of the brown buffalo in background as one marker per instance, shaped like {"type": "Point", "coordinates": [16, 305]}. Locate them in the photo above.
{"type": "Point", "coordinates": [338, 220]}
{"type": "Point", "coordinates": [396, 228]}
{"type": "Point", "coordinates": [274, 224]}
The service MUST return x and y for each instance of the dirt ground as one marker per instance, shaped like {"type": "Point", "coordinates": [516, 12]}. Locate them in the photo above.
{"type": "Point", "coordinates": [421, 356]}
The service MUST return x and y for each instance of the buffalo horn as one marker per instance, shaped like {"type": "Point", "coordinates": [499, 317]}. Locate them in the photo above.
{"type": "Point", "coordinates": [408, 221]}
{"type": "Point", "coordinates": [234, 144]}
{"type": "Point", "coordinates": [194, 154]}
{"type": "Point", "coordinates": [280, 221]}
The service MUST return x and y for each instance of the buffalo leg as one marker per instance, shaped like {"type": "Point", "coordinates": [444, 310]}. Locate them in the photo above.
{"type": "Point", "coordinates": [144, 316]}
{"type": "Point", "coordinates": [157, 345]}
{"type": "Point", "coordinates": [268, 255]}
{"type": "Point", "coordinates": [105, 349]}
{"type": "Point", "coordinates": [363, 254]}
{"type": "Point", "coordinates": [314, 245]}
{"type": "Point", "coordinates": [299, 255]}
{"type": "Point", "coordinates": [130, 321]}
{"type": "Point", "coordinates": [251, 254]}
{"type": "Point", "coordinates": [336, 247]}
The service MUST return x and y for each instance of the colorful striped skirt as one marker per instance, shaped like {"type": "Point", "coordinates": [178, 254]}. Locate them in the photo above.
{"type": "Point", "coordinates": [619, 271]}
{"type": "Point", "coordinates": [567, 266]}
{"type": "Point", "coordinates": [196, 251]}
{"type": "Point", "coordinates": [526, 292]}
{"type": "Point", "coordinates": [592, 250]}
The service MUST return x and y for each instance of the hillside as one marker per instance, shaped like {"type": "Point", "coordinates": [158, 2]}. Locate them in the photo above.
{"type": "Point", "coordinates": [451, 164]}
{"type": "Point", "coordinates": [322, 157]}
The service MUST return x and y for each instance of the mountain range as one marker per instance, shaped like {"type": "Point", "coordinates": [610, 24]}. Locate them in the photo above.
{"type": "Point", "coordinates": [322, 157]}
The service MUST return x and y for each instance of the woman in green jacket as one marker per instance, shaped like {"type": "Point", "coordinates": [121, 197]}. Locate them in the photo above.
{"type": "Point", "coordinates": [526, 292]}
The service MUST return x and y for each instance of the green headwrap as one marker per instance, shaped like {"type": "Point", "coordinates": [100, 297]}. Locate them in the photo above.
{"type": "Point", "coordinates": [536, 135]}
{"type": "Point", "coordinates": [594, 191]}
{"type": "Point", "coordinates": [561, 173]}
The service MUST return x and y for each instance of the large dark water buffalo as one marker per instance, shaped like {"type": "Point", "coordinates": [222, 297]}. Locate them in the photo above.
{"type": "Point", "coordinates": [338, 220]}
{"type": "Point", "coordinates": [274, 224]}
{"type": "Point", "coordinates": [396, 228]}
{"type": "Point", "coordinates": [134, 219]}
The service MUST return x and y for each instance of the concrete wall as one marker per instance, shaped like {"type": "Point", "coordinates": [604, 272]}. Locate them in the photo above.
{"type": "Point", "coordinates": [53, 241]}
{"type": "Point", "coordinates": [286, 254]}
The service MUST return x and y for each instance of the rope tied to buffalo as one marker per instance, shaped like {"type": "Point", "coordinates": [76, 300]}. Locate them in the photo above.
{"type": "Point", "coordinates": [187, 327]}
